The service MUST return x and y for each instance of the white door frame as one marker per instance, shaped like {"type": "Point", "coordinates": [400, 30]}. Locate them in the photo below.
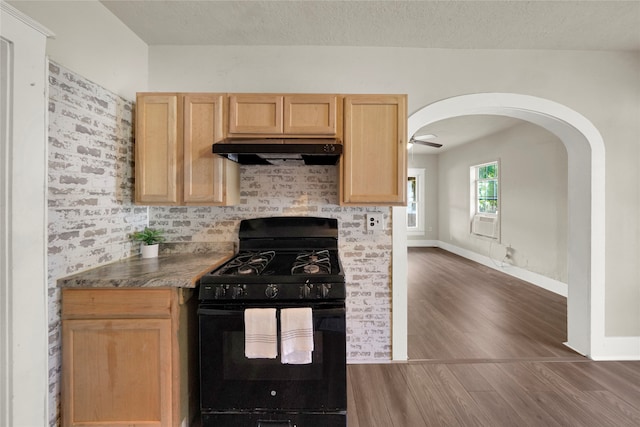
{"type": "Point", "coordinates": [586, 204]}
{"type": "Point", "coordinates": [23, 232]}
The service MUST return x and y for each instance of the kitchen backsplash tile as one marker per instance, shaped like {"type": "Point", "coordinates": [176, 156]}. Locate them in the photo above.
{"type": "Point", "coordinates": [308, 191]}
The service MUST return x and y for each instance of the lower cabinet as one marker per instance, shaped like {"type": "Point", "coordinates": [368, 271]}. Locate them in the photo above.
{"type": "Point", "coordinates": [129, 357]}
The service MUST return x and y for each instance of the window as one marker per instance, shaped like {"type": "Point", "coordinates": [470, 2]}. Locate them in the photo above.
{"type": "Point", "coordinates": [487, 188]}
{"type": "Point", "coordinates": [412, 202]}
{"type": "Point", "coordinates": [415, 201]}
{"type": "Point", "coordinates": [485, 200]}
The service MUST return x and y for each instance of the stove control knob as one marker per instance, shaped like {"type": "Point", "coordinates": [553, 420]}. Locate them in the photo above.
{"type": "Point", "coordinates": [219, 291]}
{"type": "Point", "coordinates": [271, 291]}
{"type": "Point", "coordinates": [237, 291]}
{"type": "Point", "coordinates": [305, 291]}
{"type": "Point", "coordinates": [323, 290]}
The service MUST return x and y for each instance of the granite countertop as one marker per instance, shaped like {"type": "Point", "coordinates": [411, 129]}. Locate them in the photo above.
{"type": "Point", "coordinates": [179, 265]}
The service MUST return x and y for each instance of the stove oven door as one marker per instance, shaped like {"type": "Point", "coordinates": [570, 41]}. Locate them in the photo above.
{"type": "Point", "coordinates": [232, 382]}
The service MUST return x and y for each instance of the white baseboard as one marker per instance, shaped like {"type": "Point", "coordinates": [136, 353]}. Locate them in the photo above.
{"type": "Point", "coordinates": [618, 348]}
{"type": "Point", "coordinates": [423, 243]}
{"type": "Point", "coordinates": [372, 361]}
{"type": "Point", "coordinates": [539, 280]}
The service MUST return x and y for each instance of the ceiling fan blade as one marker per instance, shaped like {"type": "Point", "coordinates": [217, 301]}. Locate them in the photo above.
{"type": "Point", "coordinates": [429, 143]}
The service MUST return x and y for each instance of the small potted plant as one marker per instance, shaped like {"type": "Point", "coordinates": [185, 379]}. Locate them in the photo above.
{"type": "Point", "coordinates": [149, 239]}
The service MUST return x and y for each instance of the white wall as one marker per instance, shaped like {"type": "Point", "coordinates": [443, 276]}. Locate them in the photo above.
{"type": "Point", "coordinates": [533, 191]}
{"type": "Point", "coordinates": [602, 86]}
{"type": "Point", "coordinates": [91, 41]}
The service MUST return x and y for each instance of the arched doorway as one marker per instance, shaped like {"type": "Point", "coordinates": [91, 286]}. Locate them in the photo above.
{"type": "Point", "coordinates": [586, 205]}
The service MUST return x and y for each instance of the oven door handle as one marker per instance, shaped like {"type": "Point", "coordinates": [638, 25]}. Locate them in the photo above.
{"type": "Point", "coordinates": [219, 312]}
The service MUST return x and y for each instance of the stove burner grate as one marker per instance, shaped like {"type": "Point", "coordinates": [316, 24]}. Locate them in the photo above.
{"type": "Point", "coordinates": [248, 263]}
{"type": "Point", "coordinates": [312, 262]}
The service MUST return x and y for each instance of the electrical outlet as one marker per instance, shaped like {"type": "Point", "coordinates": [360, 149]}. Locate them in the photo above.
{"type": "Point", "coordinates": [375, 221]}
{"type": "Point", "coordinates": [509, 252]}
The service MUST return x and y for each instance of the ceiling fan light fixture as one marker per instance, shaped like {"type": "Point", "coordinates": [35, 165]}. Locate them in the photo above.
{"type": "Point", "coordinates": [425, 137]}
{"type": "Point", "coordinates": [427, 143]}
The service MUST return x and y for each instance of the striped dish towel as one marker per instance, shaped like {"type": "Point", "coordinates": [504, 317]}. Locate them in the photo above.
{"type": "Point", "coordinates": [296, 335]}
{"type": "Point", "coordinates": [260, 333]}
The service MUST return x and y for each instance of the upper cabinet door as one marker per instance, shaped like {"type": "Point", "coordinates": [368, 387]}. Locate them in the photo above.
{"type": "Point", "coordinates": [286, 115]}
{"type": "Point", "coordinates": [255, 114]}
{"type": "Point", "coordinates": [310, 114]}
{"type": "Point", "coordinates": [158, 149]}
{"type": "Point", "coordinates": [174, 160]}
{"type": "Point", "coordinates": [203, 171]}
{"type": "Point", "coordinates": [374, 163]}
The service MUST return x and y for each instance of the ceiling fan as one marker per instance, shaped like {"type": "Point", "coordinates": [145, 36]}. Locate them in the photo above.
{"type": "Point", "coordinates": [424, 140]}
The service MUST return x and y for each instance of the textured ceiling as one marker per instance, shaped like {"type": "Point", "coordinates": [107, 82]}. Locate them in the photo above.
{"type": "Point", "coordinates": [515, 24]}
{"type": "Point", "coordinates": [582, 25]}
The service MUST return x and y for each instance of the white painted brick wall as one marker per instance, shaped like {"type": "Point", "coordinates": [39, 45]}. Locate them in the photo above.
{"type": "Point", "coordinates": [90, 191]}
{"type": "Point", "coordinates": [307, 190]}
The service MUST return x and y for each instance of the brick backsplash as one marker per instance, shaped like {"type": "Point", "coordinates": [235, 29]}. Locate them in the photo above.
{"type": "Point", "coordinates": [307, 191]}
{"type": "Point", "coordinates": [91, 213]}
{"type": "Point", "coordinates": [90, 191]}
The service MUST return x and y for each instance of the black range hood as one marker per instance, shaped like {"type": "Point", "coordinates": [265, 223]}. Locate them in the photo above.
{"type": "Point", "coordinates": [279, 151]}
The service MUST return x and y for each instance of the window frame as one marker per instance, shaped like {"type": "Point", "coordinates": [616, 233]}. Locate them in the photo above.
{"type": "Point", "coordinates": [474, 201]}
{"type": "Point", "coordinates": [479, 180]}
{"type": "Point", "coordinates": [418, 174]}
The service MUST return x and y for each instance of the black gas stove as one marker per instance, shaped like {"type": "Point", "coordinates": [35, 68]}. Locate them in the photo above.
{"type": "Point", "coordinates": [283, 263]}
{"type": "Point", "coordinates": [280, 258]}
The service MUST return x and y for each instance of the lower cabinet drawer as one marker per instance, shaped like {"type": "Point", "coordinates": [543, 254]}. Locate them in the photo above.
{"type": "Point", "coordinates": [101, 303]}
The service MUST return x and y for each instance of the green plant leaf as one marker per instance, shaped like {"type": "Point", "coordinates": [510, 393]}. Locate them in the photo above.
{"type": "Point", "coordinates": [148, 236]}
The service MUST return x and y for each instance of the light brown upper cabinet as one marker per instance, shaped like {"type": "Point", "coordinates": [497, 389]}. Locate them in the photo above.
{"type": "Point", "coordinates": [208, 179]}
{"type": "Point", "coordinates": [277, 115]}
{"type": "Point", "coordinates": [310, 114]}
{"type": "Point", "coordinates": [174, 163]}
{"type": "Point", "coordinates": [374, 161]}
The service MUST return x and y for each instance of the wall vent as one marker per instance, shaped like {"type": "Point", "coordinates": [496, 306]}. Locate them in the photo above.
{"type": "Point", "coordinates": [486, 226]}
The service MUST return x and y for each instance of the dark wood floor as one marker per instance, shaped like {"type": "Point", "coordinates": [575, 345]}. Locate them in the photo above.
{"type": "Point", "coordinates": [486, 349]}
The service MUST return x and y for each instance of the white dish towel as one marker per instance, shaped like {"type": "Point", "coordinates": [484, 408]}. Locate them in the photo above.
{"type": "Point", "coordinates": [260, 333]}
{"type": "Point", "coordinates": [296, 335]}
